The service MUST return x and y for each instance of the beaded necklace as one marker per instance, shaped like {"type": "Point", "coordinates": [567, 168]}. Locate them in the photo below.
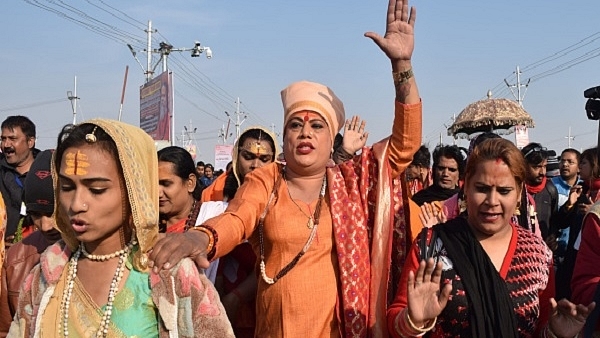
{"type": "Point", "coordinates": [114, 285]}
{"type": "Point", "coordinates": [313, 232]}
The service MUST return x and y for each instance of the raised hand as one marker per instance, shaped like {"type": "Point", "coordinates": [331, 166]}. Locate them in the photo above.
{"type": "Point", "coordinates": [431, 214]}
{"type": "Point", "coordinates": [568, 319]}
{"type": "Point", "coordinates": [399, 41]}
{"type": "Point", "coordinates": [355, 136]}
{"type": "Point", "coordinates": [426, 299]}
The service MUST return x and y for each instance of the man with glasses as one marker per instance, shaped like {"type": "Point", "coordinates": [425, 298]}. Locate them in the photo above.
{"type": "Point", "coordinates": [448, 168]}
{"type": "Point", "coordinates": [543, 190]}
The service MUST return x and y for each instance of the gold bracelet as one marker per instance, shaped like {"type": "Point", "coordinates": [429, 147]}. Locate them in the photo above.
{"type": "Point", "coordinates": [420, 329]}
{"type": "Point", "coordinates": [402, 77]}
{"type": "Point", "coordinates": [211, 238]}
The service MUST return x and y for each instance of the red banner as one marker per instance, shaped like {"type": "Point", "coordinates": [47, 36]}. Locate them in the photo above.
{"type": "Point", "coordinates": [156, 106]}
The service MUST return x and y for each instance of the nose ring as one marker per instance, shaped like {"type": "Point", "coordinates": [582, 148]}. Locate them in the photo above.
{"type": "Point", "coordinates": [84, 205]}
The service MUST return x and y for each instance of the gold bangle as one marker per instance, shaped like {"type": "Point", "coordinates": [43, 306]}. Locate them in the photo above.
{"type": "Point", "coordinates": [420, 329]}
{"type": "Point", "coordinates": [211, 238]}
{"type": "Point", "coordinates": [402, 77]}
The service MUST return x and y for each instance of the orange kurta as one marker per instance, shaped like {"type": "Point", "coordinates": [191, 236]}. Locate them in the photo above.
{"type": "Point", "coordinates": [214, 192]}
{"type": "Point", "coordinates": [303, 302]}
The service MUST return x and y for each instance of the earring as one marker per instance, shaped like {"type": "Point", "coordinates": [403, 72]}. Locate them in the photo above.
{"type": "Point", "coordinates": [281, 158]}
{"type": "Point", "coordinates": [462, 206]}
{"type": "Point", "coordinates": [518, 209]}
{"type": "Point", "coordinates": [330, 162]}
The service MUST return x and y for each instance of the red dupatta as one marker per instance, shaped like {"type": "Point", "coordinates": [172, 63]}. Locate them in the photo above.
{"type": "Point", "coordinates": [363, 241]}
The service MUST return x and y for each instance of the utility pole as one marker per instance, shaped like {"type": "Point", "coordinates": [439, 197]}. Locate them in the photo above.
{"type": "Point", "coordinates": [222, 134]}
{"type": "Point", "coordinates": [164, 51]}
{"type": "Point", "coordinates": [188, 132]}
{"type": "Point", "coordinates": [72, 96]}
{"type": "Point", "coordinates": [518, 86]}
{"type": "Point", "coordinates": [148, 72]}
{"type": "Point", "coordinates": [237, 118]}
{"type": "Point", "coordinates": [238, 123]}
{"type": "Point", "coordinates": [569, 138]}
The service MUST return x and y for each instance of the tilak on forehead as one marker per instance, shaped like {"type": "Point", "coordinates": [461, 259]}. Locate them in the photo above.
{"type": "Point", "coordinates": [76, 163]}
{"type": "Point", "coordinates": [257, 147]}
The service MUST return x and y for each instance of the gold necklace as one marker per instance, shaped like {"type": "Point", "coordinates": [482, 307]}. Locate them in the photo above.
{"type": "Point", "coordinates": [311, 218]}
{"type": "Point", "coordinates": [261, 240]}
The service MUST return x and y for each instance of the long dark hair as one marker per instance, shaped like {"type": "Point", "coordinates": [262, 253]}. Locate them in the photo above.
{"type": "Point", "coordinates": [75, 135]}
{"type": "Point", "coordinates": [183, 165]}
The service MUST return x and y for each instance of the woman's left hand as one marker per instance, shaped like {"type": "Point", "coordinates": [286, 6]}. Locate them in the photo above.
{"type": "Point", "coordinates": [566, 318]}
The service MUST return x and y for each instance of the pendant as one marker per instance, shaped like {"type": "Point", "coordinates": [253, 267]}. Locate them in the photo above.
{"type": "Point", "coordinates": [311, 223]}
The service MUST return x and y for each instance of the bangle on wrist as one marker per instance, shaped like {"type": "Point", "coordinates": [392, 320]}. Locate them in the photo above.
{"type": "Point", "coordinates": [211, 248]}
{"type": "Point", "coordinates": [341, 155]}
{"type": "Point", "coordinates": [420, 329]}
{"type": "Point", "coordinates": [402, 77]}
{"type": "Point", "coordinates": [551, 334]}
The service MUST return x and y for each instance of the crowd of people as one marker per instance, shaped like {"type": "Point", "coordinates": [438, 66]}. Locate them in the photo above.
{"type": "Point", "coordinates": [327, 237]}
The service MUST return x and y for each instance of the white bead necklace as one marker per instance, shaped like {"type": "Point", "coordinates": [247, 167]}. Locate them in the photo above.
{"type": "Point", "coordinates": [103, 258]}
{"type": "Point", "coordinates": [114, 285]}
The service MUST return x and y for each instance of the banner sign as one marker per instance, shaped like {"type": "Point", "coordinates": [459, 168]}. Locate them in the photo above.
{"type": "Point", "coordinates": [156, 106]}
{"type": "Point", "coordinates": [222, 155]}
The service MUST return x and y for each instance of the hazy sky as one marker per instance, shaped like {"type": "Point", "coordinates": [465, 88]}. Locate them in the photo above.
{"type": "Point", "coordinates": [463, 48]}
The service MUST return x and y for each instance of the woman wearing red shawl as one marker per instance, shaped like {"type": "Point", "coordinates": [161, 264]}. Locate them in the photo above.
{"type": "Point", "coordinates": [323, 234]}
{"type": "Point", "coordinates": [492, 278]}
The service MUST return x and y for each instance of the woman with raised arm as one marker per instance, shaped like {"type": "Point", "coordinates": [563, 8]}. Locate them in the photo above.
{"type": "Point", "coordinates": [96, 282]}
{"type": "Point", "coordinates": [322, 233]}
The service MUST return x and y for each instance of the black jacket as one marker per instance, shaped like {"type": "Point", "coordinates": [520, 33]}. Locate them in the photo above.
{"type": "Point", "coordinates": [546, 205]}
{"type": "Point", "coordinates": [12, 192]}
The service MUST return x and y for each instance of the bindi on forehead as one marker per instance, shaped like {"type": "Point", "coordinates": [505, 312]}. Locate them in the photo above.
{"type": "Point", "coordinates": [307, 116]}
{"type": "Point", "coordinates": [77, 163]}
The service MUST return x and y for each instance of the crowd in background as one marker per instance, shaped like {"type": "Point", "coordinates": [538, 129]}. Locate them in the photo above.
{"type": "Point", "coordinates": [322, 236]}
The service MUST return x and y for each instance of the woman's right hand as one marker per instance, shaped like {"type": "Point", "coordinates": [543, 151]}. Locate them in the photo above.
{"type": "Point", "coordinates": [425, 299]}
{"type": "Point", "coordinates": [172, 248]}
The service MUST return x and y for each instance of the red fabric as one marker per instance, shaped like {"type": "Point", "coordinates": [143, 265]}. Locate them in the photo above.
{"type": "Point", "coordinates": [586, 274]}
{"type": "Point", "coordinates": [27, 230]}
{"type": "Point", "coordinates": [412, 263]}
{"type": "Point", "coordinates": [178, 227]}
{"type": "Point", "coordinates": [534, 189]}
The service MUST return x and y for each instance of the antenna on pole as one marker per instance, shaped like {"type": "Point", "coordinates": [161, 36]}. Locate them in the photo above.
{"type": "Point", "coordinates": [518, 86]}
{"type": "Point", "coordinates": [72, 96]}
{"type": "Point", "coordinates": [123, 92]}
